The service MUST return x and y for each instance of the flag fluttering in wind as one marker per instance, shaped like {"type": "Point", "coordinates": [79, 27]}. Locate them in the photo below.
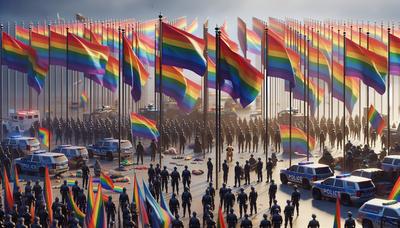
{"type": "Point", "coordinates": [73, 207]}
{"type": "Point", "coordinates": [159, 217]}
{"type": "Point", "coordinates": [98, 218]}
{"type": "Point", "coordinates": [352, 86]}
{"type": "Point", "coordinates": [220, 220]}
{"type": "Point", "coordinates": [299, 140]}
{"type": "Point", "coordinates": [173, 82]}
{"type": "Point", "coordinates": [84, 99]}
{"type": "Point", "coordinates": [395, 193]}
{"type": "Point", "coordinates": [140, 203]}
{"type": "Point", "coordinates": [44, 136]}
{"type": "Point", "coordinates": [193, 26]}
{"type": "Point", "coordinates": [336, 222]}
{"type": "Point", "coordinates": [143, 127]}
{"type": "Point", "coordinates": [22, 34]}
{"type": "Point", "coordinates": [191, 96]}
{"type": "Point", "coordinates": [106, 182]}
{"type": "Point", "coordinates": [17, 186]}
{"type": "Point", "coordinates": [58, 49]}
{"type": "Point", "coordinates": [376, 119]}
{"type": "Point", "coordinates": [8, 195]}
{"type": "Point", "coordinates": [111, 77]}
{"type": "Point", "coordinates": [394, 54]}
{"type": "Point", "coordinates": [48, 193]}
{"type": "Point", "coordinates": [90, 201]}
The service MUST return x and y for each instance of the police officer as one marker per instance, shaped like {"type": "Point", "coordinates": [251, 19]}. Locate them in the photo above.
{"type": "Point", "coordinates": [238, 172]}
{"type": "Point", "coordinates": [222, 192]}
{"type": "Point", "coordinates": [123, 198]}
{"type": "Point", "coordinates": [350, 222]}
{"type": "Point", "coordinates": [157, 187]}
{"type": "Point", "coordinates": [153, 150]}
{"type": "Point", "coordinates": [72, 221]}
{"type": "Point", "coordinates": [21, 223]}
{"type": "Point", "coordinates": [175, 178]}
{"type": "Point", "coordinates": [246, 222]}
{"type": "Point", "coordinates": [28, 187]}
{"type": "Point", "coordinates": [174, 204]}
{"type": "Point", "coordinates": [247, 173]}
{"type": "Point", "coordinates": [313, 222]}
{"type": "Point", "coordinates": [85, 175]}
{"type": "Point", "coordinates": [151, 173]}
{"type": "Point", "coordinates": [164, 179]}
{"type": "Point", "coordinates": [269, 167]}
{"type": "Point", "coordinates": [110, 210]}
{"type": "Point", "coordinates": [225, 170]}
{"type": "Point", "coordinates": [186, 177]}
{"type": "Point", "coordinates": [177, 223]}
{"type": "Point", "coordinates": [242, 200]}
{"type": "Point", "coordinates": [253, 195]}
{"type": "Point", "coordinates": [209, 170]}
{"type": "Point", "coordinates": [231, 219]}
{"type": "Point", "coordinates": [275, 207]}
{"type": "Point", "coordinates": [81, 201]}
{"type": "Point", "coordinates": [211, 190]}
{"type": "Point", "coordinates": [259, 170]}
{"type": "Point", "coordinates": [288, 214]}
{"type": "Point", "coordinates": [75, 190]}
{"type": "Point", "coordinates": [37, 189]}
{"type": "Point", "coordinates": [296, 199]}
{"type": "Point", "coordinates": [17, 195]}
{"type": "Point", "coordinates": [276, 219]}
{"type": "Point", "coordinates": [229, 200]}
{"type": "Point", "coordinates": [206, 200]}
{"type": "Point", "coordinates": [64, 191]}
{"type": "Point", "coordinates": [272, 192]}
{"type": "Point", "coordinates": [194, 222]}
{"type": "Point", "coordinates": [186, 201]}
{"type": "Point", "coordinates": [265, 223]}
{"type": "Point", "coordinates": [139, 152]}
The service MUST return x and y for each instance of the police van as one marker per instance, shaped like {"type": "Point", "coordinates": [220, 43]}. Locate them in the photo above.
{"type": "Point", "coordinates": [108, 148]}
{"type": "Point", "coordinates": [350, 189]}
{"type": "Point", "coordinates": [37, 162]}
{"type": "Point", "coordinates": [379, 213]}
{"type": "Point", "coordinates": [305, 173]}
{"type": "Point", "coordinates": [391, 163]}
{"type": "Point", "coordinates": [25, 144]}
{"type": "Point", "coordinates": [21, 121]}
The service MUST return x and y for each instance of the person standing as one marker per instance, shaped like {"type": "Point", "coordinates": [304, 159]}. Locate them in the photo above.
{"type": "Point", "coordinates": [194, 222]}
{"type": "Point", "coordinates": [296, 199]}
{"type": "Point", "coordinates": [259, 170]}
{"type": "Point", "coordinates": [164, 179]}
{"type": "Point", "coordinates": [85, 175]}
{"type": "Point", "coordinates": [186, 177]}
{"type": "Point", "coordinates": [247, 173]}
{"type": "Point", "coordinates": [273, 188]}
{"type": "Point", "coordinates": [253, 195]}
{"type": "Point", "coordinates": [350, 222]}
{"type": "Point", "coordinates": [269, 166]}
{"type": "Point", "coordinates": [153, 150]}
{"type": "Point", "coordinates": [175, 178]}
{"type": "Point", "coordinates": [209, 170]}
{"type": "Point", "coordinates": [314, 222]}
{"type": "Point", "coordinates": [110, 210]}
{"type": "Point", "coordinates": [238, 172]}
{"type": "Point", "coordinates": [186, 201]}
{"type": "Point", "coordinates": [225, 170]}
{"type": "Point", "coordinates": [265, 223]}
{"type": "Point", "coordinates": [288, 211]}
{"type": "Point", "coordinates": [242, 200]}
{"type": "Point", "coordinates": [231, 219]}
{"type": "Point", "coordinates": [174, 205]}
{"type": "Point", "coordinates": [139, 153]}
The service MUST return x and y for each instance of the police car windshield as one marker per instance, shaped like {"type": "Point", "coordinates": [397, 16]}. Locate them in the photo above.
{"type": "Point", "coordinates": [372, 209]}
{"type": "Point", "coordinates": [322, 170]}
{"type": "Point", "coordinates": [365, 184]}
{"type": "Point", "coordinates": [58, 158]}
{"type": "Point", "coordinates": [387, 160]}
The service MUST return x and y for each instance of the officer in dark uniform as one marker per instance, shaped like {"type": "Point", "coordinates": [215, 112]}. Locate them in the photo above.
{"type": "Point", "coordinates": [157, 187]}
{"type": "Point", "coordinates": [164, 179]}
{"type": "Point", "coordinates": [206, 200]}
{"type": "Point", "coordinates": [17, 195]}
{"type": "Point", "coordinates": [153, 150]}
{"type": "Point", "coordinates": [269, 167]}
{"type": "Point", "coordinates": [206, 214]}
{"type": "Point", "coordinates": [186, 177]}
{"type": "Point", "coordinates": [81, 201]}
{"type": "Point", "coordinates": [222, 192]}
{"type": "Point", "coordinates": [123, 198]}
{"type": "Point", "coordinates": [158, 170]}
{"type": "Point", "coordinates": [229, 200]}
{"type": "Point", "coordinates": [238, 172]}
{"type": "Point", "coordinates": [259, 170]}
{"type": "Point", "coordinates": [225, 170]}
{"type": "Point", "coordinates": [272, 192]}
{"type": "Point", "coordinates": [242, 200]}
{"type": "Point", "coordinates": [209, 170]}
{"type": "Point", "coordinates": [350, 222]}
{"type": "Point", "coordinates": [186, 201]}
{"type": "Point", "coordinates": [253, 195]}
{"type": "Point", "coordinates": [72, 221]}
{"type": "Point", "coordinates": [43, 216]}
{"type": "Point", "coordinates": [246, 222]}
{"type": "Point", "coordinates": [174, 204]}
{"type": "Point", "coordinates": [151, 173]}
{"type": "Point", "coordinates": [28, 187]}
{"type": "Point", "coordinates": [313, 222]}
{"type": "Point", "coordinates": [276, 219]}
{"type": "Point", "coordinates": [37, 189]}
{"type": "Point", "coordinates": [265, 223]}
{"type": "Point", "coordinates": [75, 190]}
{"type": "Point", "coordinates": [139, 152]}
{"type": "Point", "coordinates": [296, 199]}
{"type": "Point", "coordinates": [194, 222]}
{"type": "Point", "coordinates": [85, 175]}
{"type": "Point", "coordinates": [211, 190]}
{"type": "Point", "coordinates": [231, 219]}
{"type": "Point", "coordinates": [175, 178]}
{"type": "Point", "coordinates": [288, 214]}
{"type": "Point", "coordinates": [247, 173]}
{"type": "Point", "coordinates": [182, 143]}
{"type": "Point", "coordinates": [110, 210]}
{"type": "Point", "coordinates": [177, 223]}
{"type": "Point", "coordinates": [275, 207]}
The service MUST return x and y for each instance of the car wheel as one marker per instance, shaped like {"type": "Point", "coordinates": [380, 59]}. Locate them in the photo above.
{"type": "Point", "coordinates": [19, 170]}
{"type": "Point", "coordinates": [316, 194]}
{"type": "Point", "coordinates": [109, 156]}
{"type": "Point", "coordinates": [367, 223]}
{"type": "Point", "coordinates": [306, 184]}
{"type": "Point", "coordinates": [345, 199]}
{"type": "Point", "coordinates": [284, 179]}
{"type": "Point", "coordinates": [41, 171]}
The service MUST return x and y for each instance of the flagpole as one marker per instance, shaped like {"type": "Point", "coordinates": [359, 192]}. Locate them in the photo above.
{"type": "Point", "coordinates": [217, 101]}
{"type": "Point", "coordinates": [367, 122]}
{"type": "Point", "coordinates": [30, 44]}
{"type": "Point", "coordinates": [308, 98]}
{"type": "Point", "coordinates": [119, 93]}
{"type": "Point", "coordinates": [344, 100]}
{"type": "Point", "coordinates": [265, 49]}
{"type": "Point", "coordinates": [1, 83]}
{"type": "Point", "coordinates": [331, 76]}
{"type": "Point", "coordinates": [205, 84]}
{"type": "Point", "coordinates": [15, 79]}
{"type": "Point", "coordinates": [388, 91]}
{"type": "Point", "coordinates": [49, 93]}
{"type": "Point", "coordinates": [66, 82]}
{"type": "Point", "coordinates": [8, 81]}
{"type": "Point", "coordinates": [160, 43]}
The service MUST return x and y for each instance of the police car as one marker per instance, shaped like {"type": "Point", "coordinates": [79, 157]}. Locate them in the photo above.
{"type": "Point", "coordinates": [379, 213]}
{"type": "Point", "coordinates": [76, 154]}
{"type": "Point", "coordinates": [305, 173]}
{"type": "Point", "coordinates": [350, 189]}
{"type": "Point", "coordinates": [391, 163]}
{"type": "Point", "coordinates": [108, 148]}
{"type": "Point", "coordinates": [25, 144]}
{"type": "Point", "coordinates": [381, 179]}
{"type": "Point", "coordinates": [37, 162]}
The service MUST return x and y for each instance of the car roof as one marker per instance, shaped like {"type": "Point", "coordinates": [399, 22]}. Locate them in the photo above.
{"type": "Point", "coordinates": [380, 202]}
{"type": "Point", "coordinates": [74, 147]}
{"type": "Point", "coordinates": [393, 156]}
{"type": "Point", "coordinates": [311, 165]}
{"type": "Point", "coordinates": [112, 140]}
{"type": "Point", "coordinates": [352, 178]}
{"type": "Point", "coordinates": [21, 137]}
{"type": "Point", "coordinates": [47, 154]}
{"type": "Point", "coordinates": [369, 170]}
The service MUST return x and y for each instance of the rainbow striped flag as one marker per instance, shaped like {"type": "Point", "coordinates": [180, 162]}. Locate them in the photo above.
{"type": "Point", "coordinates": [220, 219]}
{"type": "Point", "coordinates": [192, 93]}
{"type": "Point", "coordinates": [90, 201]}
{"type": "Point", "coordinates": [133, 71]}
{"type": "Point", "coordinates": [336, 222]}
{"type": "Point", "coordinates": [145, 49]}
{"type": "Point", "coordinates": [258, 26]}
{"type": "Point", "coordinates": [394, 54]}
{"type": "Point", "coordinates": [73, 207]}
{"type": "Point", "coordinates": [299, 140]}
{"type": "Point", "coordinates": [278, 27]}
{"type": "Point", "coordinates": [8, 195]}
{"type": "Point", "coordinates": [85, 56]}
{"type": "Point", "coordinates": [359, 63]}
{"type": "Point", "coordinates": [173, 82]}
{"type": "Point", "coordinates": [58, 49]}
{"type": "Point", "coordinates": [111, 77]}
{"type": "Point", "coordinates": [140, 203]}
{"type": "Point", "coordinates": [211, 47]}
{"type": "Point", "coordinates": [159, 217]}
{"type": "Point", "coordinates": [193, 26]}
{"type": "Point", "coordinates": [48, 193]}
{"type": "Point", "coordinates": [22, 34]}
{"type": "Point", "coordinates": [253, 42]}
{"type": "Point", "coordinates": [33, 213]}
{"type": "Point", "coordinates": [16, 181]}
{"type": "Point", "coordinates": [84, 99]}
{"type": "Point", "coordinates": [319, 65]}
{"type": "Point", "coordinates": [352, 86]}
{"type": "Point", "coordinates": [164, 205]}
{"type": "Point", "coordinates": [98, 218]}
{"type": "Point", "coordinates": [148, 28]}
{"type": "Point", "coordinates": [143, 127]}
{"type": "Point", "coordinates": [41, 44]}
{"type": "Point", "coordinates": [241, 33]}
{"type": "Point", "coordinates": [106, 182]}
{"type": "Point", "coordinates": [44, 136]}
{"type": "Point", "coordinates": [395, 193]}
{"type": "Point", "coordinates": [91, 36]}
{"type": "Point", "coordinates": [376, 119]}
{"type": "Point", "coordinates": [182, 49]}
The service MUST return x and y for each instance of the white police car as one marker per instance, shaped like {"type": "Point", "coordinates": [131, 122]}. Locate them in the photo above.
{"type": "Point", "coordinates": [76, 154]}
{"type": "Point", "coordinates": [391, 163]}
{"type": "Point", "coordinates": [108, 148]}
{"type": "Point", "coordinates": [25, 144]}
{"type": "Point", "coordinates": [350, 189]}
{"type": "Point", "coordinates": [379, 213]}
{"type": "Point", "coordinates": [305, 173]}
{"type": "Point", "coordinates": [37, 162]}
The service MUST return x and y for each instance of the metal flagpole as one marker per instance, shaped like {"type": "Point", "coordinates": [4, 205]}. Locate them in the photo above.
{"type": "Point", "coordinates": [205, 84]}
{"type": "Point", "coordinates": [367, 122]}
{"type": "Point", "coordinates": [119, 94]}
{"type": "Point", "coordinates": [8, 80]}
{"type": "Point", "coordinates": [30, 44]}
{"type": "Point", "coordinates": [1, 84]}
{"type": "Point", "coordinates": [49, 92]}
{"type": "Point", "coordinates": [66, 83]}
{"type": "Point", "coordinates": [308, 97]}
{"type": "Point", "coordinates": [217, 102]}
{"type": "Point", "coordinates": [388, 91]}
{"type": "Point", "coordinates": [160, 44]}
{"type": "Point", "coordinates": [265, 53]}
{"type": "Point", "coordinates": [344, 99]}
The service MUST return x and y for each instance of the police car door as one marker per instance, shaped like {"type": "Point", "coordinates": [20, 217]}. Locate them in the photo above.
{"type": "Point", "coordinates": [390, 218]}
{"type": "Point", "coordinates": [35, 163]}
{"type": "Point", "coordinates": [326, 187]}
{"type": "Point", "coordinates": [293, 174]}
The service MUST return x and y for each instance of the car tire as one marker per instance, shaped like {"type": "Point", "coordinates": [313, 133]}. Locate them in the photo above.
{"type": "Point", "coordinates": [284, 179]}
{"type": "Point", "coordinates": [306, 184]}
{"type": "Point", "coordinates": [19, 170]}
{"type": "Point", "coordinates": [367, 223]}
{"type": "Point", "coordinates": [316, 194]}
{"type": "Point", "coordinates": [345, 200]}
{"type": "Point", "coordinates": [42, 171]}
{"type": "Point", "coordinates": [110, 156]}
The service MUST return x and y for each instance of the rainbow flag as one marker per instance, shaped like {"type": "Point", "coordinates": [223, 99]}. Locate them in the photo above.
{"type": "Point", "coordinates": [164, 205]}
{"type": "Point", "coordinates": [336, 222]}
{"type": "Point", "coordinates": [91, 36]}
{"type": "Point", "coordinates": [278, 27]}
{"type": "Point", "coordinates": [180, 22]}
{"type": "Point", "coordinates": [319, 65]}
{"type": "Point", "coordinates": [140, 203]}
{"type": "Point", "coordinates": [395, 193]}
{"type": "Point", "coordinates": [394, 54]}
{"type": "Point", "coordinates": [8, 195]}
{"type": "Point", "coordinates": [134, 73]}
{"type": "Point", "coordinates": [160, 218]}
{"type": "Point", "coordinates": [84, 99]}
{"type": "Point", "coordinates": [14, 54]}
{"type": "Point", "coordinates": [143, 127]}
{"type": "Point", "coordinates": [220, 219]}
{"type": "Point", "coordinates": [193, 26]}
{"type": "Point", "coordinates": [173, 82]}
{"type": "Point", "coordinates": [90, 201]}
{"type": "Point", "coordinates": [22, 34]}
{"type": "Point", "coordinates": [145, 49]}
{"type": "Point", "coordinates": [44, 136]}
{"type": "Point", "coordinates": [72, 206]}
{"type": "Point", "coordinates": [106, 182]}
{"type": "Point", "coordinates": [41, 44]}
{"type": "Point", "coordinates": [58, 49]}
{"type": "Point", "coordinates": [241, 33]}
{"type": "Point", "coordinates": [352, 86]}
{"type": "Point", "coordinates": [85, 56]}
{"type": "Point", "coordinates": [16, 181]}
{"type": "Point", "coordinates": [211, 80]}
{"type": "Point", "coordinates": [182, 49]}
{"type": "Point", "coordinates": [48, 193]}
{"type": "Point", "coordinates": [211, 47]}
{"type": "Point", "coordinates": [148, 28]}
{"type": "Point", "coordinates": [253, 42]}
{"type": "Point", "coordinates": [111, 77]}
{"type": "Point", "coordinates": [358, 64]}
{"type": "Point", "coordinates": [258, 26]}
{"type": "Point", "coordinates": [192, 93]}
{"type": "Point", "coordinates": [376, 119]}
{"type": "Point", "coordinates": [299, 140]}
{"type": "Point", "coordinates": [246, 79]}
{"type": "Point", "coordinates": [98, 218]}
{"type": "Point", "coordinates": [33, 213]}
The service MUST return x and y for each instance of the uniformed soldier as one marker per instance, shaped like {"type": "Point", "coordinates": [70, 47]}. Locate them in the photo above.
{"type": "Point", "coordinates": [158, 170]}
{"type": "Point", "coordinates": [253, 195]}
{"type": "Point", "coordinates": [246, 222]}
{"type": "Point", "coordinates": [206, 214]}
{"type": "Point", "coordinates": [225, 170]}
{"type": "Point", "coordinates": [81, 201]}
{"type": "Point", "coordinates": [209, 170]}
{"type": "Point", "coordinates": [259, 170]}
{"type": "Point", "coordinates": [288, 214]}
{"type": "Point", "coordinates": [313, 222]}
{"type": "Point", "coordinates": [296, 199]}
{"type": "Point", "coordinates": [75, 190]}
{"type": "Point", "coordinates": [222, 191]}
{"type": "Point", "coordinates": [247, 168]}
{"type": "Point", "coordinates": [177, 223]}
{"type": "Point", "coordinates": [175, 178]}
{"type": "Point", "coordinates": [211, 190]}
{"type": "Point", "coordinates": [21, 223]}
{"type": "Point", "coordinates": [186, 201]}
{"type": "Point", "coordinates": [139, 152]}
{"type": "Point", "coordinates": [231, 219]}
{"type": "Point", "coordinates": [265, 223]}
{"type": "Point", "coordinates": [85, 175]}
{"type": "Point", "coordinates": [151, 173]}
{"type": "Point", "coordinates": [182, 143]}
{"type": "Point", "coordinates": [56, 204]}
{"type": "Point", "coordinates": [238, 172]}
{"type": "Point", "coordinates": [242, 200]}
{"type": "Point", "coordinates": [153, 150]}
{"type": "Point", "coordinates": [229, 200]}
{"type": "Point", "coordinates": [157, 187]}
{"type": "Point", "coordinates": [276, 219]}
{"type": "Point", "coordinates": [110, 210]}
{"type": "Point", "coordinates": [123, 198]}
{"type": "Point", "coordinates": [186, 177]}
{"type": "Point", "coordinates": [206, 200]}
{"type": "Point", "coordinates": [73, 221]}
{"type": "Point", "coordinates": [194, 222]}
{"type": "Point", "coordinates": [174, 204]}
{"type": "Point", "coordinates": [37, 189]}
{"type": "Point", "coordinates": [275, 207]}
{"type": "Point", "coordinates": [350, 222]}
{"type": "Point", "coordinates": [269, 166]}
{"type": "Point", "coordinates": [17, 196]}
{"type": "Point", "coordinates": [164, 179]}
{"type": "Point", "coordinates": [28, 187]}
{"type": "Point", "coordinates": [272, 192]}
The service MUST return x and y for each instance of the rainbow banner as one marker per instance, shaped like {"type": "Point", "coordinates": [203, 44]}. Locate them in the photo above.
{"type": "Point", "coordinates": [352, 86]}
{"type": "Point", "coordinates": [140, 203]}
{"type": "Point", "coordinates": [220, 219]}
{"type": "Point", "coordinates": [106, 182]}
{"type": "Point", "coordinates": [180, 22]}
{"type": "Point", "coordinates": [159, 217]}
{"type": "Point", "coordinates": [193, 26]}
{"type": "Point", "coordinates": [17, 185]}
{"type": "Point", "coordinates": [211, 80]}
{"type": "Point", "coordinates": [145, 50]}
{"type": "Point", "coordinates": [241, 34]}
{"type": "Point", "coordinates": [395, 193]}
{"type": "Point", "coordinates": [211, 47]}
{"type": "Point", "coordinates": [48, 193]}
{"type": "Point", "coordinates": [192, 93]}
{"type": "Point", "coordinates": [376, 119]}
{"type": "Point", "coordinates": [90, 201]}
{"type": "Point", "coordinates": [98, 218]}
{"type": "Point", "coordinates": [299, 140]}
{"type": "Point", "coordinates": [319, 66]}
{"type": "Point", "coordinates": [44, 136]}
{"type": "Point", "coordinates": [164, 205]}
{"type": "Point", "coordinates": [73, 207]}
{"type": "Point", "coordinates": [58, 49]}
{"type": "Point", "coordinates": [84, 99]}
{"type": "Point", "coordinates": [91, 36]}
{"type": "Point", "coordinates": [8, 195]}
{"type": "Point", "coordinates": [336, 222]}
{"type": "Point", "coordinates": [182, 49]}
{"type": "Point", "coordinates": [278, 27]}
{"type": "Point", "coordinates": [394, 55]}
{"type": "Point", "coordinates": [148, 28]}
{"type": "Point", "coordinates": [258, 26]}
{"type": "Point", "coordinates": [41, 44]}
{"type": "Point", "coordinates": [111, 77]}
{"type": "Point", "coordinates": [253, 42]}
{"type": "Point", "coordinates": [143, 127]}
{"type": "Point", "coordinates": [85, 56]}
{"type": "Point", "coordinates": [173, 82]}
{"type": "Point", "coordinates": [22, 34]}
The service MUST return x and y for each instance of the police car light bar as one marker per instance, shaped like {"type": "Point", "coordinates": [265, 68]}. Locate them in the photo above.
{"type": "Point", "coordinates": [343, 175]}
{"type": "Point", "coordinates": [306, 163]}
